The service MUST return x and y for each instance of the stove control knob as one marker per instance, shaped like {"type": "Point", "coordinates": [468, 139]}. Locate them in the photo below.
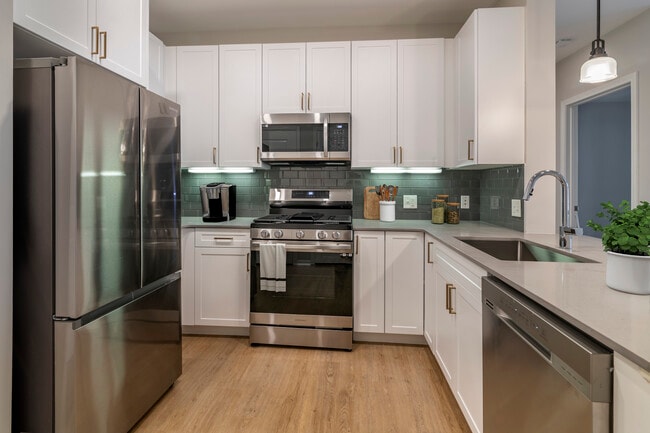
{"type": "Point", "coordinates": [265, 234]}
{"type": "Point", "coordinates": [278, 234]}
{"type": "Point", "coordinates": [300, 234]}
{"type": "Point", "coordinates": [336, 235]}
{"type": "Point", "coordinates": [322, 235]}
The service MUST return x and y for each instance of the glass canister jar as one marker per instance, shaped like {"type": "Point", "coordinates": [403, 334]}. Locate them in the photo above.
{"type": "Point", "coordinates": [453, 213]}
{"type": "Point", "coordinates": [437, 211]}
{"type": "Point", "coordinates": [445, 199]}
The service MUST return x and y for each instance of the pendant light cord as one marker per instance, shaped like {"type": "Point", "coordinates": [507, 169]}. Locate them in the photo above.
{"type": "Point", "coordinates": [598, 19]}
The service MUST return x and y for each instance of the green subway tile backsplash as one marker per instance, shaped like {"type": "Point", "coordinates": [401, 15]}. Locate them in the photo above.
{"type": "Point", "coordinates": [253, 189]}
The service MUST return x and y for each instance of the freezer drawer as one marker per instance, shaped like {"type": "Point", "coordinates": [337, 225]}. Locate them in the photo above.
{"type": "Point", "coordinates": [109, 372]}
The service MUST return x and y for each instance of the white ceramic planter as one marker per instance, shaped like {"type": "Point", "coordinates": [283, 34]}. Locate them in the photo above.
{"type": "Point", "coordinates": [628, 273]}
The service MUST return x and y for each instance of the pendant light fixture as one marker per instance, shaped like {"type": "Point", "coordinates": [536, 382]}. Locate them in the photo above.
{"type": "Point", "coordinates": [599, 67]}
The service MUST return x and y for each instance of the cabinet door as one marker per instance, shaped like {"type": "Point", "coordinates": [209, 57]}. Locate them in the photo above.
{"type": "Point", "coordinates": [421, 102]}
{"type": "Point", "coordinates": [156, 65]}
{"type": "Point", "coordinates": [328, 77]}
{"type": "Point", "coordinates": [187, 277]}
{"type": "Point", "coordinates": [222, 286]}
{"type": "Point", "coordinates": [404, 273]}
{"type": "Point", "coordinates": [240, 104]}
{"type": "Point", "coordinates": [65, 22]}
{"type": "Point", "coordinates": [125, 44]}
{"type": "Point", "coordinates": [469, 391]}
{"type": "Point", "coordinates": [197, 92]}
{"type": "Point", "coordinates": [445, 325]}
{"type": "Point", "coordinates": [429, 293]}
{"type": "Point", "coordinates": [466, 88]}
{"type": "Point", "coordinates": [369, 282]}
{"type": "Point", "coordinates": [283, 84]}
{"type": "Point", "coordinates": [631, 396]}
{"type": "Point", "coordinates": [170, 74]}
{"type": "Point", "coordinates": [374, 103]}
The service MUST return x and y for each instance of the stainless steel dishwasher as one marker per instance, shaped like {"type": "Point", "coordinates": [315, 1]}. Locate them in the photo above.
{"type": "Point", "coordinates": [540, 374]}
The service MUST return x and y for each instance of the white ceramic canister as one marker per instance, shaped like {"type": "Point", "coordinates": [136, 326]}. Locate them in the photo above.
{"type": "Point", "coordinates": [387, 211]}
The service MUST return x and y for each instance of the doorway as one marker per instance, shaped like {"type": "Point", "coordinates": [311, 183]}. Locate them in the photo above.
{"type": "Point", "coordinates": [600, 148]}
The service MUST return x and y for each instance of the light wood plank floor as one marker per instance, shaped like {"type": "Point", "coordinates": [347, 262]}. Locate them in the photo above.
{"type": "Point", "coordinates": [229, 387]}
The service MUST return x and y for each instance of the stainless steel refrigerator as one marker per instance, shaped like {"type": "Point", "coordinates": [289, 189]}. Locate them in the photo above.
{"type": "Point", "coordinates": [97, 337]}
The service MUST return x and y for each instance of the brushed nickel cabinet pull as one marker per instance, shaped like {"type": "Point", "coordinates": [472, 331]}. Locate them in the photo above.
{"type": "Point", "coordinates": [451, 307]}
{"type": "Point", "coordinates": [401, 155]}
{"type": "Point", "coordinates": [429, 252]}
{"type": "Point", "coordinates": [302, 100]}
{"type": "Point", "coordinates": [214, 155]}
{"type": "Point", "coordinates": [357, 245]}
{"type": "Point", "coordinates": [394, 155]}
{"type": "Point", "coordinates": [216, 238]}
{"type": "Point", "coordinates": [248, 263]}
{"type": "Point", "coordinates": [103, 56]}
{"type": "Point", "coordinates": [258, 154]}
{"type": "Point", "coordinates": [308, 100]}
{"type": "Point", "coordinates": [95, 39]}
{"type": "Point", "coordinates": [469, 150]}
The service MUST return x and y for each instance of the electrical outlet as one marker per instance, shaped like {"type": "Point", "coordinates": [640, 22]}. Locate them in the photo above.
{"type": "Point", "coordinates": [516, 208]}
{"type": "Point", "coordinates": [410, 202]}
{"type": "Point", "coordinates": [494, 202]}
{"type": "Point", "coordinates": [464, 202]}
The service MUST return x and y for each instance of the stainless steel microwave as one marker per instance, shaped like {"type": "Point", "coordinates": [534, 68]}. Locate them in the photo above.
{"type": "Point", "coordinates": [308, 137]}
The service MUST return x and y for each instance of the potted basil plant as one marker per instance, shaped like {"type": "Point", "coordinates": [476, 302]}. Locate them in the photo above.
{"type": "Point", "coordinates": [626, 239]}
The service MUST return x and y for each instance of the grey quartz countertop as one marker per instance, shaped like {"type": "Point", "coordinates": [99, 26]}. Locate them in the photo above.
{"type": "Point", "coordinates": [576, 292]}
{"type": "Point", "coordinates": [197, 222]}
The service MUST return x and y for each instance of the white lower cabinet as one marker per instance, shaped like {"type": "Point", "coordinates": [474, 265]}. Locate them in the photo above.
{"type": "Point", "coordinates": [429, 292]}
{"type": "Point", "coordinates": [456, 307]}
{"type": "Point", "coordinates": [631, 396]}
{"type": "Point", "coordinates": [219, 285]}
{"type": "Point", "coordinates": [388, 282]}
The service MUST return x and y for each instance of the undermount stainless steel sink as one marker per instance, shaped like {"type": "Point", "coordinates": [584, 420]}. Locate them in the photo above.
{"type": "Point", "coordinates": [520, 250]}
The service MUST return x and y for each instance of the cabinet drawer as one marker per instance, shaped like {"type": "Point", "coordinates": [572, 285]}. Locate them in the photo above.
{"type": "Point", "coordinates": [222, 238]}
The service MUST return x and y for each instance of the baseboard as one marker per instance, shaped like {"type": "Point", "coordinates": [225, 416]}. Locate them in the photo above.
{"type": "Point", "coordinates": [216, 330]}
{"type": "Point", "coordinates": [369, 337]}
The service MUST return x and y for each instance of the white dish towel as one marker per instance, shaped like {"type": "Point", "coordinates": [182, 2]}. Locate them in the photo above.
{"type": "Point", "coordinates": [273, 259]}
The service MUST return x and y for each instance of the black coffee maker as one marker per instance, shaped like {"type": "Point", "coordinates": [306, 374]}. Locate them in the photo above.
{"type": "Point", "coordinates": [218, 201]}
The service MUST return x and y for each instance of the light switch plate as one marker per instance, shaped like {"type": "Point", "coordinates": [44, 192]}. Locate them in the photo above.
{"type": "Point", "coordinates": [516, 208]}
{"type": "Point", "coordinates": [494, 202]}
{"type": "Point", "coordinates": [410, 202]}
{"type": "Point", "coordinates": [464, 202]}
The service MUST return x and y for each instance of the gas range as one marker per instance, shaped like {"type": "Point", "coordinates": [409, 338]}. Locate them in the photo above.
{"type": "Point", "coordinates": [306, 215]}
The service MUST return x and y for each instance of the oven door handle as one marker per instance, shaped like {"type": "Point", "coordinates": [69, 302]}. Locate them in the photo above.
{"type": "Point", "coordinates": [309, 247]}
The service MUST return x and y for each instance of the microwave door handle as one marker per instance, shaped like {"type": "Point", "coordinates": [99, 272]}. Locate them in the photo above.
{"type": "Point", "coordinates": [326, 122]}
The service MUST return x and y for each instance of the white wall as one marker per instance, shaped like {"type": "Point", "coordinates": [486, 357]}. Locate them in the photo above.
{"type": "Point", "coordinates": [6, 184]}
{"type": "Point", "coordinates": [628, 44]}
{"type": "Point", "coordinates": [310, 34]}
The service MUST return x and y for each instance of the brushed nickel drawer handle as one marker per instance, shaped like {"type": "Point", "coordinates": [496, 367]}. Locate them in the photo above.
{"type": "Point", "coordinates": [357, 245]}
{"type": "Point", "coordinates": [451, 307]}
{"type": "Point", "coordinates": [429, 252]}
{"type": "Point", "coordinates": [216, 238]}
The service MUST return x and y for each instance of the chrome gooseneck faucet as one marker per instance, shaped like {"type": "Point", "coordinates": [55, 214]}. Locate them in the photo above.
{"type": "Point", "coordinates": [566, 202]}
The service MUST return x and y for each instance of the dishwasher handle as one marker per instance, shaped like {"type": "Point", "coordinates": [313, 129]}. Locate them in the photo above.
{"type": "Point", "coordinates": [538, 347]}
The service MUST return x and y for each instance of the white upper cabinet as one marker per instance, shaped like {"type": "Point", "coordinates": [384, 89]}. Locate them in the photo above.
{"type": "Point", "coordinates": [113, 33]}
{"type": "Point", "coordinates": [421, 102]}
{"type": "Point", "coordinates": [398, 103]}
{"type": "Point", "coordinates": [170, 73]}
{"type": "Point", "coordinates": [156, 65]}
{"type": "Point", "coordinates": [328, 77]}
{"type": "Point", "coordinates": [198, 94]}
{"type": "Point", "coordinates": [312, 77]}
{"type": "Point", "coordinates": [490, 104]}
{"type": "Point", "coordinates": [374, 103]}
{"type": "Point", "coordinates": [240, 104]}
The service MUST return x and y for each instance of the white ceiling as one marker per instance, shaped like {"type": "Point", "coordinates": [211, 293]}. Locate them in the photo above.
{"type": "Point", "coordinates": [575, 19]}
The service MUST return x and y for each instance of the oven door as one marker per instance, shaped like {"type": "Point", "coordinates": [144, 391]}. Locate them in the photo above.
{"type": "Point", "coordinates": [318, 286]}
